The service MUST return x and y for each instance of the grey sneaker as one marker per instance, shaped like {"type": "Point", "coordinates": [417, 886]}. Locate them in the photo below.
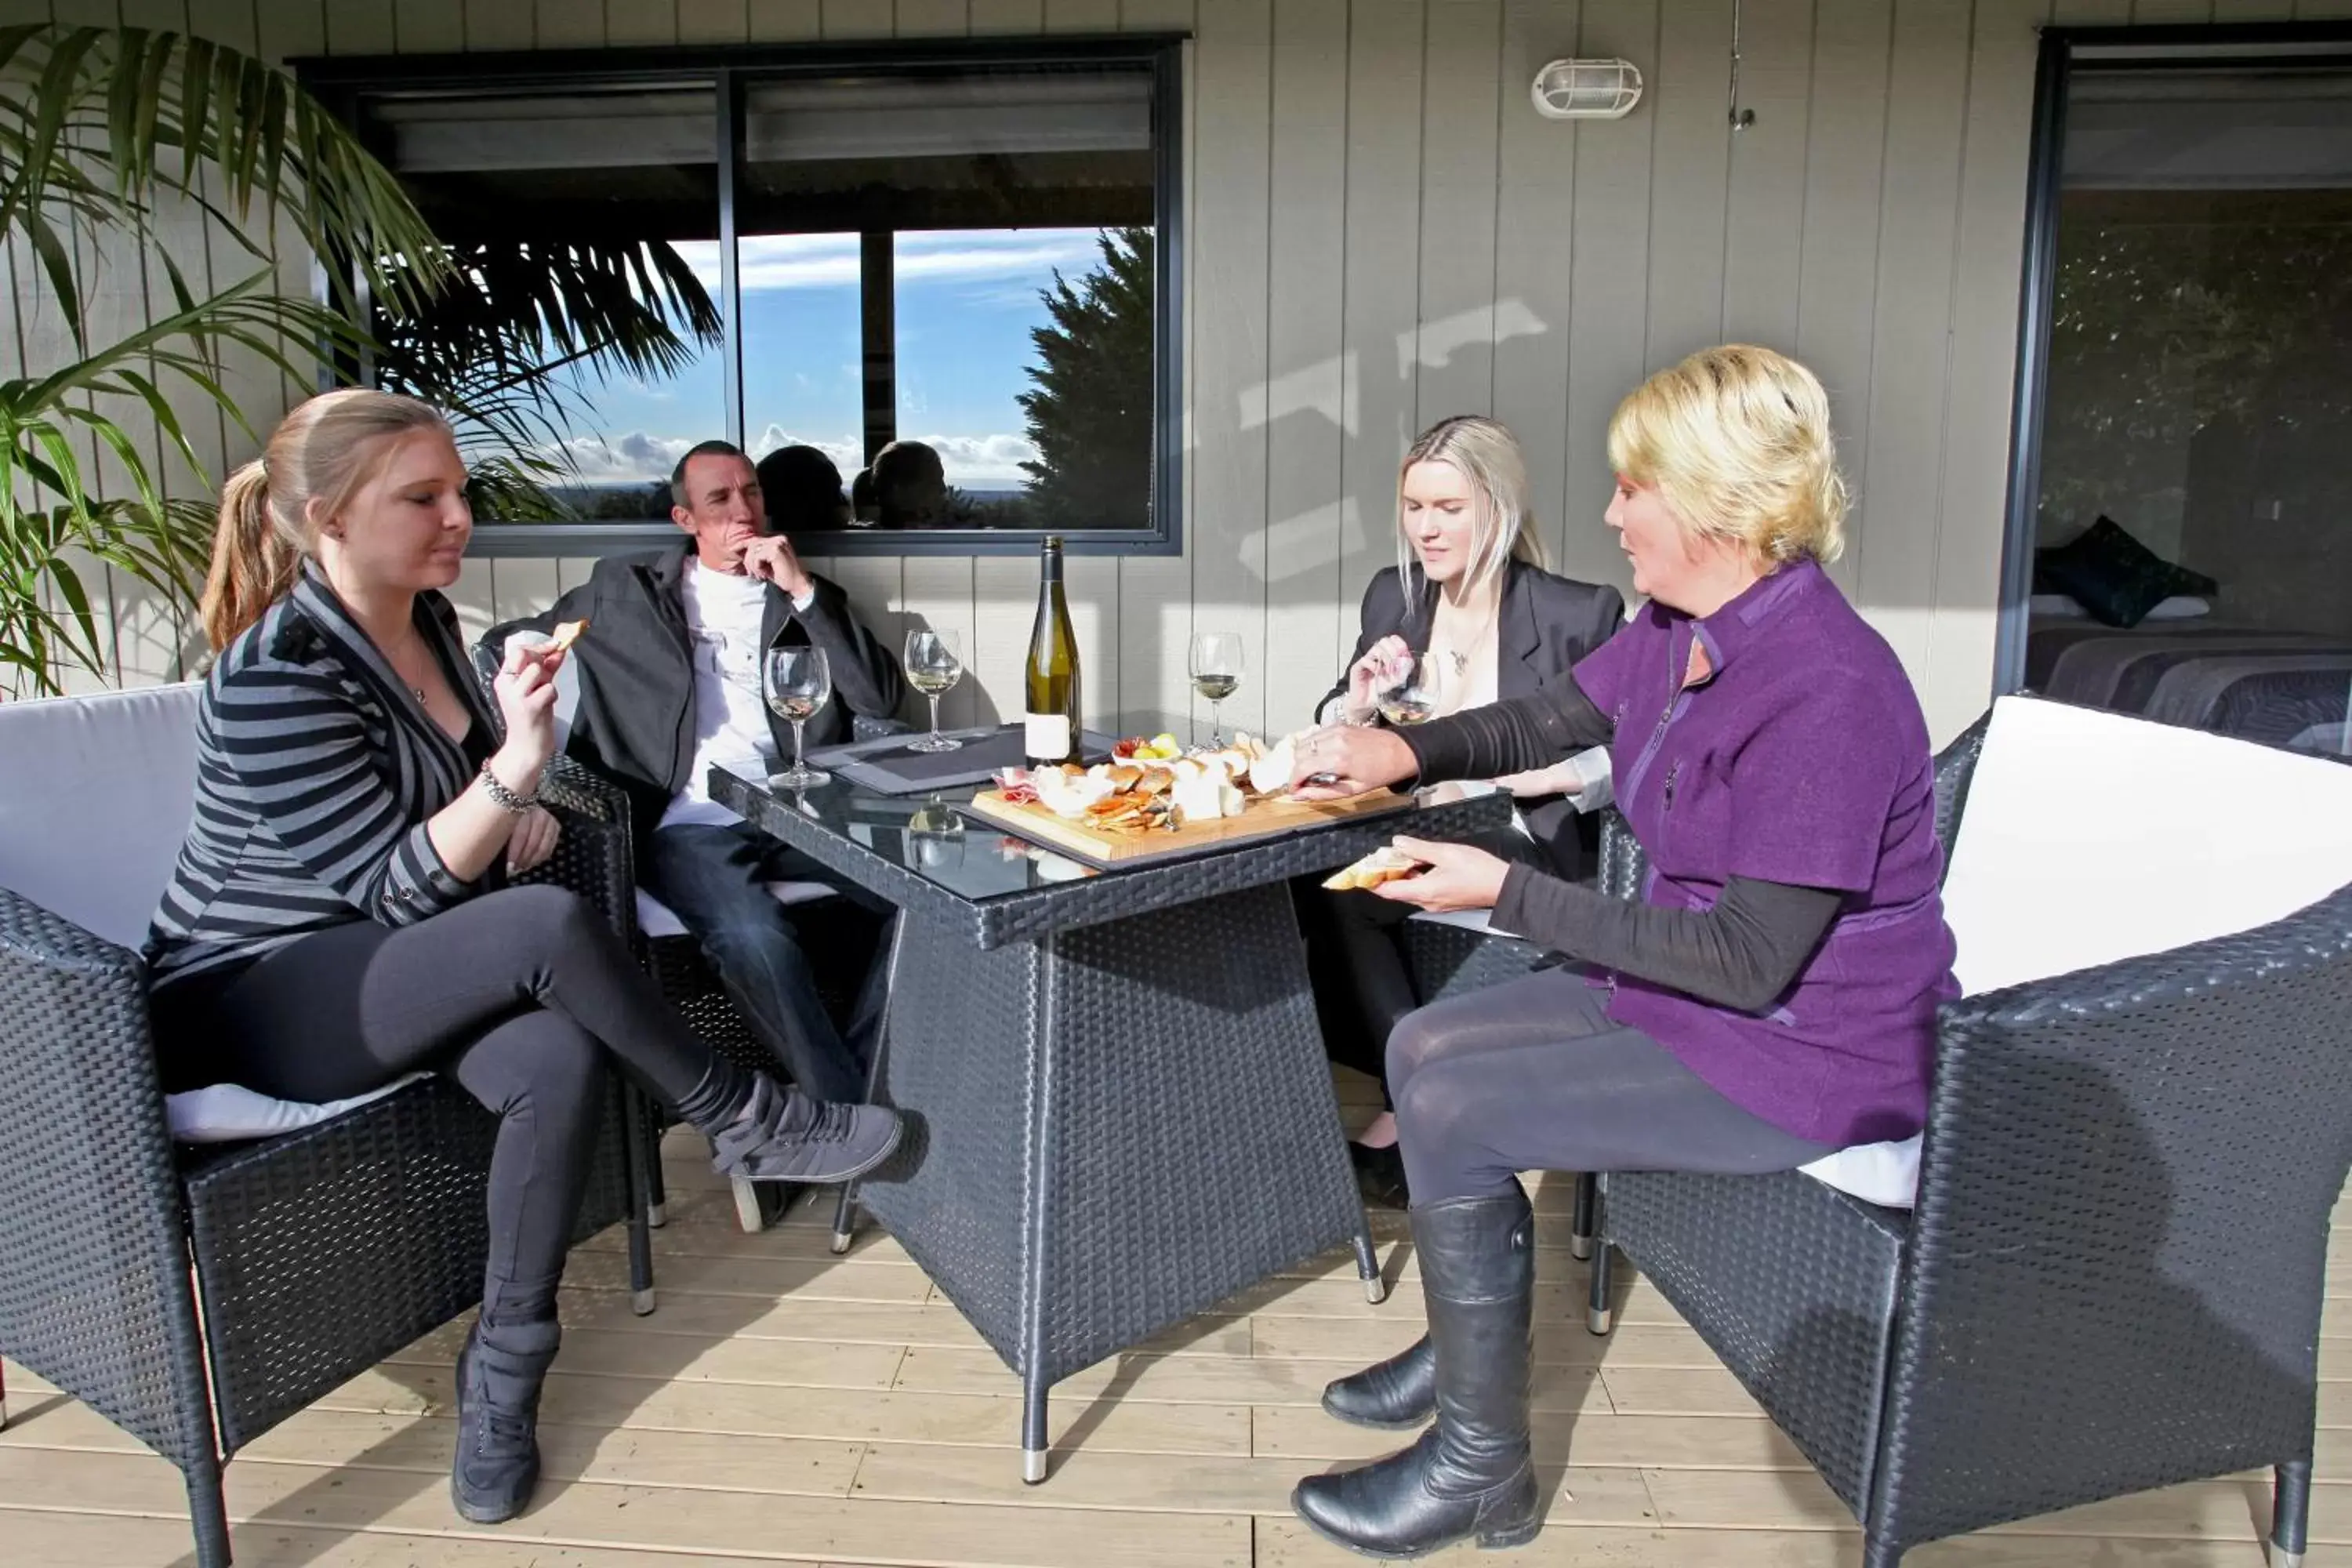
{"type": "Point", "coordinates": [788, 1137]}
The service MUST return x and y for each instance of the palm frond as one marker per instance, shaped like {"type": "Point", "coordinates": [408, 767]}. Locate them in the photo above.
{"type": "Point", "coordinates": [116, 100]}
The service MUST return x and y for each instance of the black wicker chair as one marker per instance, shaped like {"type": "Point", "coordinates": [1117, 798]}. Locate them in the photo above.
{"type": "Point", "coordinates": [315, 1255]}
{"type": "Point", "coordinates": [2113, 1278]}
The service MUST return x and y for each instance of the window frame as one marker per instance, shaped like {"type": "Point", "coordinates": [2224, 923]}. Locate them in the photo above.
{"type": "Point", "coordinates": [2166, 47]}
{"type": "Point", "coordinates": [342, 82]}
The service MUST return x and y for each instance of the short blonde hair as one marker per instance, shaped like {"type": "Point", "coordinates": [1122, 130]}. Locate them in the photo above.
{"type": "Point", "coordinates": [1736, 440]}
{"type": "Point", "coordinates": [1502, 525]}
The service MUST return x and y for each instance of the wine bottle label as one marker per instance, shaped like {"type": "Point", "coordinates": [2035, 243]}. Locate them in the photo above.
{"type": "Point", "coordinates": [1045, 735]}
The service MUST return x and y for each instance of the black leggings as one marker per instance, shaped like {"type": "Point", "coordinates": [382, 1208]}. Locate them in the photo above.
{"type": "Point", "coordinates": [1534, 1075]}
{"type": "Point", "coordinates": [518, 994]}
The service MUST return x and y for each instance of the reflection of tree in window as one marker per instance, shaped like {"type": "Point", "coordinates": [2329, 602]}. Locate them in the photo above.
{"type": "Point", "coordinates": [1090, 418]}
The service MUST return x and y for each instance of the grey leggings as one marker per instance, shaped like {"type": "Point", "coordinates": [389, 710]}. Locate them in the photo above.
{"type": "Point", "coordinates": [1533, 1076]}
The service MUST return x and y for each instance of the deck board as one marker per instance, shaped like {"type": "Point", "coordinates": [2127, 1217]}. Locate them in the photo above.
{"type": "Point", "coordinates": [788, 1406]}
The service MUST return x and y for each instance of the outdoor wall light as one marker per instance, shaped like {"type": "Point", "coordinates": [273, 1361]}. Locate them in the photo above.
{"type": "Point", "coordinates": [1587, 89]}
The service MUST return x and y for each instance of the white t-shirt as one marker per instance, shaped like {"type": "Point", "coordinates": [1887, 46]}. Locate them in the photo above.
{"type": "Point", "coordinates": [730, 718]}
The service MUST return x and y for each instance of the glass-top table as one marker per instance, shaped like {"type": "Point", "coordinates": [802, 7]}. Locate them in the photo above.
{"type": "Point", "coordinates": [1119, 1106]}
{"type": "Point", "coordinates": [929, 854]}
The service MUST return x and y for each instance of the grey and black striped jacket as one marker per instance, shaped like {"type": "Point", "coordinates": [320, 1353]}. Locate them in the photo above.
{"type": "Point", "coordinates": [317, 769]}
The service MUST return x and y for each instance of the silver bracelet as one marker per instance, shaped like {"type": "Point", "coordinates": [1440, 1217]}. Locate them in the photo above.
{"type": "Point", "coordinates": [504, 798]}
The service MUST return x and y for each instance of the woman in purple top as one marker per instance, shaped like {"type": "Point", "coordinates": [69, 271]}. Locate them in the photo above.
{"type": "Point", "coordinates": [1772, 996]}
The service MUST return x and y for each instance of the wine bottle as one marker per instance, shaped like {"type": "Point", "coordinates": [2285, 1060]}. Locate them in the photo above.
{"type": "Point", "coordinates": [1050, 718]}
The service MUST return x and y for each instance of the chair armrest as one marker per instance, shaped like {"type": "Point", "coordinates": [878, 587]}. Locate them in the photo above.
{"type": "Point", "coordinates": [2118, 1255]}
{"type": "Point", "coordinates": [94, 1291]}
{"type": "Point", "coordinates": [868, 727]}
{"type": "Point", "coordinates": [593, 855]}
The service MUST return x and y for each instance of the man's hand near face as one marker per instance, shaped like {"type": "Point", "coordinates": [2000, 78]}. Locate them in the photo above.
{"type": "Point", "coordinates": [771, 558]}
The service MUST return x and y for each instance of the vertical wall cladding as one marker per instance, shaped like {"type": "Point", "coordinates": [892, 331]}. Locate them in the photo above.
{"type": "Point", "coordinates": [1380, 231]}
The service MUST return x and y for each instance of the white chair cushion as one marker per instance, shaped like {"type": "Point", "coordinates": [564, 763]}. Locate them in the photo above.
{"type": "Point", "coordinates": [656, 920]}
{"type": "Point", "coordinates": [95, 797]}
{"type": "Point", "coordinates": [2092, 836]}
{"type": "Point", "coordinates": [228, 1112]}
{"type": "Point", "coordinates": [1468, 919]}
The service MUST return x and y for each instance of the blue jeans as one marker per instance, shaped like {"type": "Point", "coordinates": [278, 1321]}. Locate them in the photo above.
{"type": "Point", "coordinates": [712, 877]}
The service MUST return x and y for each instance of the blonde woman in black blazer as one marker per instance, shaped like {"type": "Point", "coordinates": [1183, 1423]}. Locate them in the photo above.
{"type": "Point", "coordinates": [1470, 602]}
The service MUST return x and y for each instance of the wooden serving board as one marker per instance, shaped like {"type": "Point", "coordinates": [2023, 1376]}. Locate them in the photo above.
{"type": "Point", "coordinates": [1266, 816]}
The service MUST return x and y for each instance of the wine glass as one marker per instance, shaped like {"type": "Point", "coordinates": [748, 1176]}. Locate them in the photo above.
{"type": "Point", "coordinates": [1216, 675]}
{"type": "Point", "coordinates": [934, 664]}
{"type": "Point", "coordinates": [1410, 696]}
{"type": "Point", "coordinates": [935, 834]}
{"type": "Point", "coordinates": [798, 682]}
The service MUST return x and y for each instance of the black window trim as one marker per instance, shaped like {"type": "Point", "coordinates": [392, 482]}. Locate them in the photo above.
{"type": "Point", "coordinates": [2168, 46]}
{"type": "Point", "coordinates": [341, 81]}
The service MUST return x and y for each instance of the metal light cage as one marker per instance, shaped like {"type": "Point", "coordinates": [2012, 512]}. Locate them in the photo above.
{"type": "Point", "coordinates": [1586, 89]}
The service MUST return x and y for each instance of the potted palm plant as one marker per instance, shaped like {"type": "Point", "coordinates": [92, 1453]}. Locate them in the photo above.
{"type": "Point", "coordinates": [123, 146]}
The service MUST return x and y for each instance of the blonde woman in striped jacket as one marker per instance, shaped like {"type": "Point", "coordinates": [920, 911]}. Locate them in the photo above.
{"type": "Point", "coordinates": [342, 911]}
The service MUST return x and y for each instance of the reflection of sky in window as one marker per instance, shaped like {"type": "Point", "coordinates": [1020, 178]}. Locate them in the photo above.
{"type": "Point", "coordinates": [967, 301]}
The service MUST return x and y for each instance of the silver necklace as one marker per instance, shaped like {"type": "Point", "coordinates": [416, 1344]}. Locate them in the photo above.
{"type": "Point", "coordinates": [1459, 659]}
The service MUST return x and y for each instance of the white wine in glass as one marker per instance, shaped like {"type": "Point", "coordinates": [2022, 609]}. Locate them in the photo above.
{"type": "Point", "coordinates": [1216, 667]}
{"type": "Point", "coordinates": [934, 665]}
{"type": "Point", "coordinates": [799, 681]}
{"type": "Point", "coordinates": [1411, 698]}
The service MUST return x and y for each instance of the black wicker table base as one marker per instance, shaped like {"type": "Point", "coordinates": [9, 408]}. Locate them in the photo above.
{"type": "Point", "coordinates": [1112, 1128]}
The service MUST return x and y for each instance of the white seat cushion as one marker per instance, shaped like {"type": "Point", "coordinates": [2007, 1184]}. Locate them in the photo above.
{"type": "Point", "coordinates": [1468, 919]}
{"type": "Point", "coordinates": [228, 1112]}
{"type": "Point", "coordinates": [2093, 836]}
{"type": "Point", "coordinates": [95, 797]}
{"type": "Point", "coordinates": [655, 919]}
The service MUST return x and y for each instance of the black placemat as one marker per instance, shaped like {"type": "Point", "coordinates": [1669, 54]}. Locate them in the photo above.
{"type": "Point", "coordinates": [889, 766]}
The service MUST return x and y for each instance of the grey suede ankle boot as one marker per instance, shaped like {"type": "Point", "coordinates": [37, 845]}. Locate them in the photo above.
{"type": "Point", "coordinates": [499, 1377]}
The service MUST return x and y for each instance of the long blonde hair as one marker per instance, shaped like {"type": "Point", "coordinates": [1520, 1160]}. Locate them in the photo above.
{"type": "Point", "coordinates": [1736, 440]}
{"type": "Point", "coordinates": [1502, 525]}
{"type": "Point", "coordinates": [323, 451]}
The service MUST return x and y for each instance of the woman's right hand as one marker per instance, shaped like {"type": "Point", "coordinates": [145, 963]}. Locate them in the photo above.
{"type": "Point", "coordinates": [1347, 759]}
{"type": "Point", "coordinates": [1378, 671]}
{"type": "Point", "coordinates": [525, 688]}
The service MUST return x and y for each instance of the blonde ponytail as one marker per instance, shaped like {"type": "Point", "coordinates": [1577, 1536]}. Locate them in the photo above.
{"type": "Point", "coordinates": [322, 452]}
{"type": "Point", "coordinates": [254, 564]}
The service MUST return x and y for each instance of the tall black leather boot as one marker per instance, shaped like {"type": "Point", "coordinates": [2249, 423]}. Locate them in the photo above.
{"type": "Point", "coordinates": [1471, 1473]}
{"type": "Point", "coordinates": [499, 1377]}
{"type": "Point", "coordinates": [1398, 1394]}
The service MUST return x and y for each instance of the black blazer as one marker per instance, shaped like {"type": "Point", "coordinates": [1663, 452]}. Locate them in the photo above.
{"type": "Point", "coordinates": [1547, 624]}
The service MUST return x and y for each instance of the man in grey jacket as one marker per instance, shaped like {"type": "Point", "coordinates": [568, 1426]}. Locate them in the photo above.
{"type": "Point", "coordinates": [669, 685]}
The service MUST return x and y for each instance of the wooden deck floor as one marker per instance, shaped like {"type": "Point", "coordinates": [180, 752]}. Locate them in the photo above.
{"type": "Point", "coordinates": [784, 1404]}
